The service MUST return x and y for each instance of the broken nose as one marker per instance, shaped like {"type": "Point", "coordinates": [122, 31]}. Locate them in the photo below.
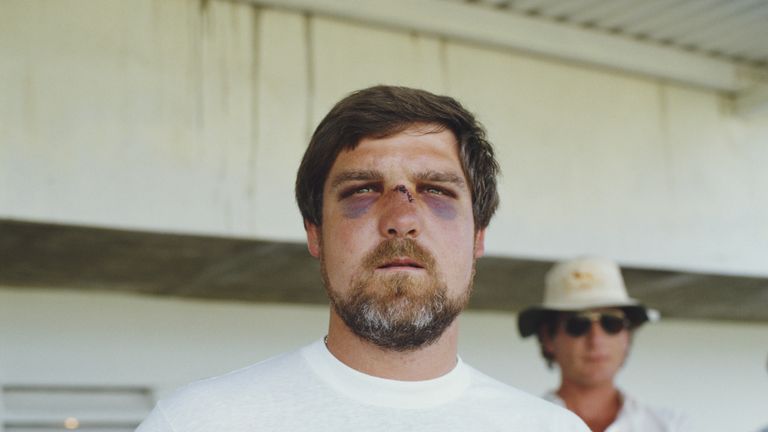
{"type": "Point", "coordinates": [404, 190]}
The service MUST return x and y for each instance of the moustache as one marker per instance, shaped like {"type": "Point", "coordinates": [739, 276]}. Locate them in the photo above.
{"type": "Point", "coordinates": [398, 248]}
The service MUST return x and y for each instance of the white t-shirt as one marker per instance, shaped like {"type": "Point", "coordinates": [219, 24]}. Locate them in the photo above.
{"type": "Point", "coordinates": [635, 416]}
{"type": "Point", "coordinates": [310, 390]}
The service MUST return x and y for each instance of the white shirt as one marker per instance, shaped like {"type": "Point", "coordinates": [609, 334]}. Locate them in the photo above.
{"type": "Point", "coordinates": [311, 390]}
{"type": "Point", "coordinates": [635, 416]}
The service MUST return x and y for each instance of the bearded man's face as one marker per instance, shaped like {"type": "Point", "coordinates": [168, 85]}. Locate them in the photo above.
{"type": "Point", "coordinates": [397, 242]}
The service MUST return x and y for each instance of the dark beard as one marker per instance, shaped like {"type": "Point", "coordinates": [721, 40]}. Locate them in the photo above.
{"type": "Point", "coordinates": [399, 312]}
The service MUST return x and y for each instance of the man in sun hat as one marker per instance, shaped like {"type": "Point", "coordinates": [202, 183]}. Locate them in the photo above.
{"type": "Point", "coordinates": [585, 326]}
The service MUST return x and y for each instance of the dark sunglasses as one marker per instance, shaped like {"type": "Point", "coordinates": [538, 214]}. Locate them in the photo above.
{"type": "Point", "coordinates": [580, 323]}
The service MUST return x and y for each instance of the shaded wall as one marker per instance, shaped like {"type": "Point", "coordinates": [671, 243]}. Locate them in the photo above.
{"type": "Point", "coordinates": [187, 116]}
{"type": "Point", "coordinates": [713, 371]}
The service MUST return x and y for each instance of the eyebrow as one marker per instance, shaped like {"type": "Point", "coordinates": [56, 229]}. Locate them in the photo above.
{"type": "Point", "coordinates": [442, 177]}
{"type": "Point", "coordinates": [356, 175]}
{"type": "Point", "coordinates": [375, 175]}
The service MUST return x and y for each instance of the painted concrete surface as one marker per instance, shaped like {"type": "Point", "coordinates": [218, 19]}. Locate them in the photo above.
{"type": "Point", "coordinates": [714, 371]}
{"type": "Point", "coordinates": [191, 116]}
{"type": "Point", "coordinates": [36, 255]}
{"type": "Point", "coordinates": [187, 116]}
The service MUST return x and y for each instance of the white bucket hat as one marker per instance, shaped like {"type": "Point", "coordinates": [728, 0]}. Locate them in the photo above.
{"type": "Point", "coordinates": [583, 283]}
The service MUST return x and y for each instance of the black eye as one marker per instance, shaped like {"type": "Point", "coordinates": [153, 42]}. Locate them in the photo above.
{"type": "Point", "coordinates": [434, 191]}
{"type": "Point", "coordinates": [438, 191]}
{"type": "Point", "coordinates": [359, 190]}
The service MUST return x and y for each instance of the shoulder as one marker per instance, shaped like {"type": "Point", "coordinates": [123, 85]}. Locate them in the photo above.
{"type": "Point", "coordinates": [492, 388]}
{"type": "Point", "coordinates": [234, 384]}
{"type": "Point", "coordinates": [220, 400]}
{"type": "Point", "coordinates": [532, 411]}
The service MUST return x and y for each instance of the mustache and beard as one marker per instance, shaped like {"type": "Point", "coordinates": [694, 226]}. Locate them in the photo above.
{"type": "Point", "coordinates": [398, 311]}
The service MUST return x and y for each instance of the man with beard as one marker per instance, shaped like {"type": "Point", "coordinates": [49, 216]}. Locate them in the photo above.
{"type": "Point", "coordinates": [585, 326]}
{"type": "Point", "coordinates": [396, 190]}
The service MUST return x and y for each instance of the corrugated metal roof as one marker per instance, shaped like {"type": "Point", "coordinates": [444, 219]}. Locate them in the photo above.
{"type": "Point", "coordinates": [736, 30]}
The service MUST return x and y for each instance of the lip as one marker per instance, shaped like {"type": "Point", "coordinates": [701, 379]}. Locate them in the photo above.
{"type": "Point", "coordinates": [597, 358]}
{"type": "Point", "coordinates": [401, 264]}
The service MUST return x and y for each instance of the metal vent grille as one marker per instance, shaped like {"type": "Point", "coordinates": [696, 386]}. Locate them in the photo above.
{"type": "Point", "coordinates": [35, 408]}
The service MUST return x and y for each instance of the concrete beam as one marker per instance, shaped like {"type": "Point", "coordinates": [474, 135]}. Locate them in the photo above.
{"type": "Point", "coordinates": [36, 255]}
{"type": "Point", "coordinates": [457, 20]}
{"type": "Point", "coordinates": [752, 102]}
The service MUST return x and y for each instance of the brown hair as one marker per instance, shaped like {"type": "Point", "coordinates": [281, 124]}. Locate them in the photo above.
{"type": "Point", "coordinates": [383, 111]}
{"type": "Point", "coordinates": [547, 329]}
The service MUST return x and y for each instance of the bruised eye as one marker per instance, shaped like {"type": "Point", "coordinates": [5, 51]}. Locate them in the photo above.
{"type": "Point", "coordinates": [437, 191]}
{"type": "Point", "coordinates": [358, 190]}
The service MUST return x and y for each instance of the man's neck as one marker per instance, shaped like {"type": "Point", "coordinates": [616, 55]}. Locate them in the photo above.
{"type": "Point", "coordinates": [425, 363]}
{"type": "Point", "coordinates": [597, 405]}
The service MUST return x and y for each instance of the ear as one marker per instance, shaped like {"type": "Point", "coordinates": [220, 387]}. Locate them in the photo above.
{"type": "Point", "coordinates": [480, 243]}
{"type": "Point", "coordinates": [313, 238]}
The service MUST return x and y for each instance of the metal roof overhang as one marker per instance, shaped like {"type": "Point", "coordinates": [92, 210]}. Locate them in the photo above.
{"type": "Point", "coordinates": [49, 256]}
{"type": "Point", "coordinates": [478, 23]}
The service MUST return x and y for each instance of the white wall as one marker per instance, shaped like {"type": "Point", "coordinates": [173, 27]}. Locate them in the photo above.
{"type": "Point", "coordinates": [714, 371]}
{"type": "Point", "coordinates": [134, 114]}
{"type": "Point", "coordinates": [188, 116]}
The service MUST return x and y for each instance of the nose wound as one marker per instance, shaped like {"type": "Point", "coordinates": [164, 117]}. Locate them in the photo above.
{"type": "Point", "coordinates": [404, 190]}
